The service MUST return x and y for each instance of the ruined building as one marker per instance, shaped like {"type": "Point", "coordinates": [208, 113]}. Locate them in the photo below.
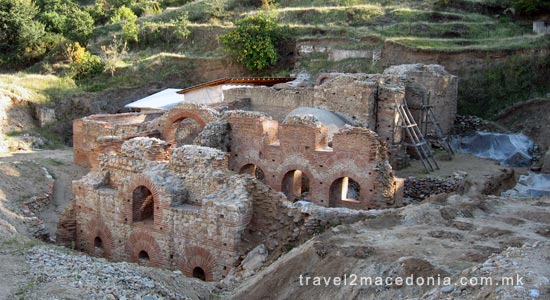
{"type": "Point", "coordinates": [166, 186]}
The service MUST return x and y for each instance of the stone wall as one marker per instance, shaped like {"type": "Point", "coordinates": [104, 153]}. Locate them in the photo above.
{"type": "Point", "coordinates": [99, 134]}
{"type": "Point", "coordinates": [541, 27]}
{"type": "Point", "coordinates": [273, 102]}
{"type": "Point", "coordinates": [203, 218]}
{"type": "Point", "coordinates": [434, 82]}
{"type": "Point", "coordinates": [195, 223]}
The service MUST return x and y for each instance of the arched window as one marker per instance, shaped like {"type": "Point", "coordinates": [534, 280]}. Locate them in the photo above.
{"type": "Point", "coordinates": [344, 189]}
{"type": "Point", "coordinates": [295, 185]}
{"type": "Point", "coordinates": [199, 273]}
{"type": "Point", "coordinates": [143, 205]}
{"type": "Point", "coordinates": [253, 170]}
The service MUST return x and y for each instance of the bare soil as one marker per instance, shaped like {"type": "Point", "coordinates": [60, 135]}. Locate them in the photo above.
{"type": "Point", "coordinates": [424, 242]}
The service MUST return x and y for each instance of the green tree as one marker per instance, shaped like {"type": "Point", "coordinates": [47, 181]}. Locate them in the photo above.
{"type": "Point", "coordinates": [128, 21]}
{"type": "Point", "coordinates": [181, 26]}
{"type": "Point", "coordinates": [79, 26]}
{"type": "Point", "coordinates": [254, 41]}
{"type": "Point", "coordinates": [67, 18]}
{"type": "Point", "coordinates": [531, 7]}
{"type": "Point", "coordinates": [20, 33]}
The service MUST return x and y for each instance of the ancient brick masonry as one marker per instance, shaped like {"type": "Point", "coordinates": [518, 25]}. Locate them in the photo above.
{"type": "Point", "coordinates": [181, 208]}
{"type": "Point", "coordinates": [191, 221]}
{"type": "Point", "coordinates": [167, 203]}
{"type": "Point", "coordinates": [295, 158]}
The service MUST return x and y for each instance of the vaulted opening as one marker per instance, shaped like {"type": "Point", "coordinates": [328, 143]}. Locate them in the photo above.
{"type": "Point", "coordinates": [253, 170]}
{"type": "Point", "coordinates": [143, 205]}
{"type": "Point", "coordinates": [199, 273]}
{"type": "Point", "coordinates": [344, 189]}
{"type": "Point", "coordinates": [186, 130]}
{"type": "Point", "coordinates": [295, 185]}
{"type": "Point", "coordinates": [98, 243]}
{"type": "Point", "coordinates": [143, 255]}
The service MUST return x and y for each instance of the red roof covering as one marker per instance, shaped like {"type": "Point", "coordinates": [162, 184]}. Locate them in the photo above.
{"type": "Point", "coordinates": [239, 80]}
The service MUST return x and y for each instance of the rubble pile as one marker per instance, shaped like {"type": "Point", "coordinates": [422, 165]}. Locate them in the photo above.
{"type": "Point", "coordinates": [419, 189]}
{"type": "Point", "coordinates": [103, 280]}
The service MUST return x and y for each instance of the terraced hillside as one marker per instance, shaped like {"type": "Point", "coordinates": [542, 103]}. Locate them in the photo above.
{"type": "Point", "coordinates": [500, 60]}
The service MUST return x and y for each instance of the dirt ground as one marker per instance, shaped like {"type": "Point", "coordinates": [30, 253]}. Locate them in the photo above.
{"type": "Point", "coordinates": [59, 164]}
{"type": "Point", "coordinates": [531, 118]}
{"type": "Point", "coordinates": [449, 237]}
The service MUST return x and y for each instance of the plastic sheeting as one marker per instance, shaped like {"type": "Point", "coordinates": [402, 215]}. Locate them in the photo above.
{"type": "Point", "coordinates": [532, 185]}
{"type": "Point", "coordinates": [511, 150]}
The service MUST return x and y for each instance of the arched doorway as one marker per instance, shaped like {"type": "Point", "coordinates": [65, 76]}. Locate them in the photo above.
{"type": "Point", "coordinates": [344, 189]}
{"type": "Point", "coordinates": [295, 185]}
{"type": "Point", "coordinates": [199, 273]}
{"type": "Point", "coordinates": [143, 205]}
{"type": "Point", "coordinates": [98, 243]}
{"type": "Point", "coordinates": [253, 170]}
{"type": "Point", "coordinates": [185, 130]}
{"type": "Point", "coordinates": [143, 256]}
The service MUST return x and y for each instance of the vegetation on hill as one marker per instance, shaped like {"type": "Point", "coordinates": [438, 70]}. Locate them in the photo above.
{"type": "Point", "coordinates": [106, 45]}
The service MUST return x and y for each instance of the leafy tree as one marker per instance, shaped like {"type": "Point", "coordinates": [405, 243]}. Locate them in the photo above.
{"type": "Point", "coordinates": [79, 26]}
{"type": "Point", "coordinates": [128, 19]}
{"type": "Point", "coordinates": [67, 18]}
{"type": "Point", "coordinates": [99, 11]}
{"type": "Point", "coordinates": [20, 33]}
{"type": "Point", "coordinates": [530, 7]}
{"type": "Point", "coordinates": [254, 41]}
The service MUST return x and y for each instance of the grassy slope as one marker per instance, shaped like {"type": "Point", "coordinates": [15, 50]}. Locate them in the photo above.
{"type": "Point", "coordinates": [161, 59]}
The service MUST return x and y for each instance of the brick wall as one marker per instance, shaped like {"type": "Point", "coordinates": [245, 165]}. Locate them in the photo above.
{"type": "Point", "coordinates": [301, 144]}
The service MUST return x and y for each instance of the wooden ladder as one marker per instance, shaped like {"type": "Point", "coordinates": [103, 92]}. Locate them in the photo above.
{"type": "Point", "coordinates": [417, 138]}
{"type": "Point", "coordinates": [427, 116]}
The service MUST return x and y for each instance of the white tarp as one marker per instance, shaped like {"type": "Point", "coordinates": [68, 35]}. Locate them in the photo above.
{"type": "Point", "coordinates": [532, 185]}
{"type": "Point", "coordinates": [328, 118]}
{"type": "Point", "coordinates": [509, 149]}
{"type": "Point", "coordinates": [162, 100]}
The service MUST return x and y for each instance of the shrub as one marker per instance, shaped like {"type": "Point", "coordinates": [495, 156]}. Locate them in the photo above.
{"type": "Point", "coordinates": [113, 54]}
{"type": "Point", "coordinates": [82, 63]}
{"type": "Point", "coordinates": [254, 41]}
{"type": "Point", "coordinates": [530, 7]}
{"type": "Point", "coordinates": [128, 19]}
{"type": "Point", "coordinates": [181, 26]}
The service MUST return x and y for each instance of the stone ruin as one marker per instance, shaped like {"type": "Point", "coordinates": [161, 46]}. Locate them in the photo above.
{"type": "Point", "coordinates": [195, 188]}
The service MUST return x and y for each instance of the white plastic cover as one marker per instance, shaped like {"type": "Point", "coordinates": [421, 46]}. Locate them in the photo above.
{"type": "Point", "coordinates": [532, 185]}
{"type": "Point", "coordinates": [509, 149]}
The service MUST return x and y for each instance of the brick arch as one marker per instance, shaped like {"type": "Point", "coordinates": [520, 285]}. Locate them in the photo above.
{"type": "Point", "coordinates": [258, 165]}
{"type": "Point", "coordinates": [141, 241]}
{"type": "Point", "coordinates": [198, 257]}
{"type": "Point", "coordinates": [143, 180]}
{"type": "Point", "coordinates": [312, 179]}
{"type": "Point", "coordinates": [364, 181]}
{"type": "Point", "coordinates": [287, 168]}
{"type": "Point", "coordinates": [96, 228]}
{"type": "Point", "coordinates": [200, 115]}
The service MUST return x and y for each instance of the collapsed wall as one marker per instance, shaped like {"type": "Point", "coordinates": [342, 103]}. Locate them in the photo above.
{"type": "Point", "coordinates": [434, 84]}
{"type": "Point", "coordinates": [100, 134]}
